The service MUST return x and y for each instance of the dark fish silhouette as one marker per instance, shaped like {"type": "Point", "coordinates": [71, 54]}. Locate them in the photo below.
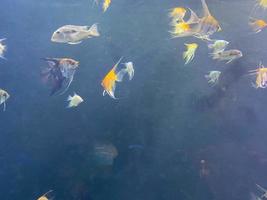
{"type": "Point", "coordinates": [59, 73]}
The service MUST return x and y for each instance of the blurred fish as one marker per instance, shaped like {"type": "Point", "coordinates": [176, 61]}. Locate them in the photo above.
{"type": "Point", "coordinates": [105, 154]}
{"type": "Point", "coordinates": [115, 75]}
{"type": "Point", "coordinates": [189, 54]}
{"type": "Point", "coordinates": [177, 14]}
{"type": "Point", "coordinates": [129, 69]}
{"type": "Point", "coordinates": [106, 5]}
{"type": "Point", "coordinates": [213, 77]}
{"type": "Point", "coordinates": [228, 55]}
{"type": "Point", "coordinates": [257, 25]}
{"type": "Point", "coordinates": [254, 197]}
{"type": "Point", "coordinates": [4, 96]}
{"type": "Point", "coordinates": [74, 100]}
{"type": "Point", "coordinates": [261, 76]}
{"type": "Point", "coordinates": [207, 25]}
{"type": "Point", "coordinates": [73, 34]}
{"type": "Point", "coordinates": [184, 29]}
{"type": "Point", "coordinates": [46, 196]}
{"type": "Point", "coordinates": [218, 45]}
{"type": "Point", "coordinates": [261, 3]}
{"type": "Point", "coordinates": [2, 48]}
{"type": "Point", "coordinates": [59, 73]}
{"type": "Point", "coordinates": [264, 195]}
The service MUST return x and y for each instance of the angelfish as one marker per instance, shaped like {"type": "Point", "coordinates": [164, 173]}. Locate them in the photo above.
{"type": "Point", "coordinates": [74, 100]}
{"type": "Point", "coordinates": [4, 96]}
{"type": "Point", "coordinates": [59, 73]}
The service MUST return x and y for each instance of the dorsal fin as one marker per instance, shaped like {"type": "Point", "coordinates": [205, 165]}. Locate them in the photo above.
{"type": "Point", "coordinates": [193, 17]}
{"type": "Point", "coordinates": [205, 7]}
{"type": "Point", "coordinates": [116, 65]}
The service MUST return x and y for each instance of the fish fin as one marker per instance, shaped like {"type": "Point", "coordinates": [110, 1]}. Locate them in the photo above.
{"type": "Point", "coordinates": [3, 39]}
{"type": "Point", "coordinates": [52, 62]}
{"type": "Point", "coordinates": [75, 42]}
{"type": "Point", "coordinates": [4, 106]}
{"type": "Point", "coordinates": [193, 17]}
{"type": "Point", "coordinates": [3, 57]}
{"type": "Point", "coordinates": [117, 64]}
{"type": "Point", "coordinates": [205, 7]}
{"type": "Point", "coordinates": [69, 98]}
{"type": "Point", "coordinates": [93, 31]}
{"type": "Point", "coordinates": [104, 93]}
{"type": "Point", "coordinates": [121, 74]}
{"type": "Point", "coordinates": [229, 61]}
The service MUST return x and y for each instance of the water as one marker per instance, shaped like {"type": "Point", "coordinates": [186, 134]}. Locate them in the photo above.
{"type": "Point", "coordinates": [166, 121]}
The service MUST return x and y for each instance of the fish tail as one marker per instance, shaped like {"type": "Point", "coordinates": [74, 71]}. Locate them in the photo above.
{"type": "Point", "coordinates": [93, 31]}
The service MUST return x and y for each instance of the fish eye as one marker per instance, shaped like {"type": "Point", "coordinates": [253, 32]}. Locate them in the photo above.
{"type": "Point", "coordinates": [57, 32]}
{"type": "Point", "coordinates": [73, 31]}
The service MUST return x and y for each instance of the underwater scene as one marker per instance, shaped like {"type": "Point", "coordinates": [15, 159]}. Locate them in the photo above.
{"type": "Point", "coordinates": [133, 99]}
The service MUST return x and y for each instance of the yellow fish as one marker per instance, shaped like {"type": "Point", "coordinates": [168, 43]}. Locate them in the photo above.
{"type": "Point", "coordinates": [109, 81]}
{"type": "Point", "coordinates": [261, 76]}
{"type": "Point", "coordinates": [106, 4]}
{"type": "Point", "coordinates": [262, 3]}
{"type": "Point", "coordinates": [257, 25]}
{"type": "Point", "coordinates": [177, 14]}
{"type": "Point", "coordinates": [189, 54]}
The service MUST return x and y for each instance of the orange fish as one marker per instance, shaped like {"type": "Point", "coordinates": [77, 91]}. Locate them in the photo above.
{"type": "Point", "coordinates": [109, 81]}
{"type": "Point", "coordinates": [257, 25]}
{"type": "Point", "coordinates": [177, 14]}
{"type": "Point", "coordinates": [106, 4]}
{"type": "Point", "coordinates": [261, 77]}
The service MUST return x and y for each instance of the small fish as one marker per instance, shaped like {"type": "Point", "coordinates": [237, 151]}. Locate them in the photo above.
{"type": "Point", "coordinates": [228, 55]}
{"type": "Point", "coordinates": [4, 96]}
{"type": "Point", "coordinates": [2, 48]}
{"type": "Point", "coordinates": [261, 3]}
{"type": "Point", "coordinates": [218, 45]}
{"type": "Point", "coordinates": [189, 54]}
{"type": "Point", "coordinates": [207, 25]}
{"type": "Point", "coordinates": [184, 29]}
{"type": "Point", "coordinates": [72, 34]}
{"type": "Point", "coordinates": [129, 68]}
{"type": "Point", "coordinates": [106, 5]}
{"type": "Point", "coordinates": [177, 14]}
{"type": "Point", "coordinates": [213, 77]}
{"type": "Point", "coordinates": [261, 76]}
{"type": "Point", "coordinates": [46, 196]}
{"type": "Point", "coordinates": [59, 73]}
{"type": "Point", "coordinates": [74, 100]}
{"type": "Point", "coordinates": [257, 25]}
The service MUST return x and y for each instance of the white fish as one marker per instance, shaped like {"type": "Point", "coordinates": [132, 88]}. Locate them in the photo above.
{"type": "Point", "coordinates": [4, 96]}
{"type": "Point", "coordinates": [2, 48]}
{"type": "Point", "coordinates": [213, 77]}
{"type": "Point", "coordinates": [218, 45]}
{"type": "Point", "coordinates": [72, 34]}
{"type": "Point", "coordinates": [74, 100]}
{"type": "Point", "coordinates": [129, 69]}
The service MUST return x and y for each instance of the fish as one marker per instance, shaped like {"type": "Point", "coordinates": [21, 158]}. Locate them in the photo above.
{"type": "Point", "coordinates": [59, 73]}
{"type": "Point", "coordinates": [213, 77]}
{"type": "Point", "coordinates": [264, 195]}
{"type": "Point", "coordinates": [257, 25]}
{"type": "Point", "coordinates": [4, 96]}
{"type": "Point", "coordinates": [46, 196]}
{"type": "Point", "coordinates": [261, 76]}
{"type": "Point", "coordinates": [177, 14]}
{"type": "Point", "coordinates": [184, 28]}
{"type": "Point", "coordinates": [208, 24]}
{"type": "Point", "coordinates": [106, 5]}
{"type": "Point", "coordinates": [72, 34]}
{"type": "Point", "coordinates": [129, 68]}
{"type": "Point", "coordinates": [262, 4]}
{"type": "Point", "coordinates": [2, 48]}
{"type": "Point", "coordinates": [189, 54]}
{"type": "Point", "coordinates": [218, 45]}
{"type": "Point", "coordinates": [74, 100]}
{"type": "Point", "coordinates": [228, 55]}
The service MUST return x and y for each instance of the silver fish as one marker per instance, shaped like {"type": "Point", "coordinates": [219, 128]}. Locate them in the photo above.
{"type": "Point", "coordinates": [213, 77]}
{"type": "Point", "coordinates": [2, 48]}
{"type": "Point", "coordinates": [228, 55]}
{"type": "Point", "coordinates": [4, 96]}
{"type": "Point", "coordinates": [59, 73]}
{"type": "Point", "coordinates": [72, 34]}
